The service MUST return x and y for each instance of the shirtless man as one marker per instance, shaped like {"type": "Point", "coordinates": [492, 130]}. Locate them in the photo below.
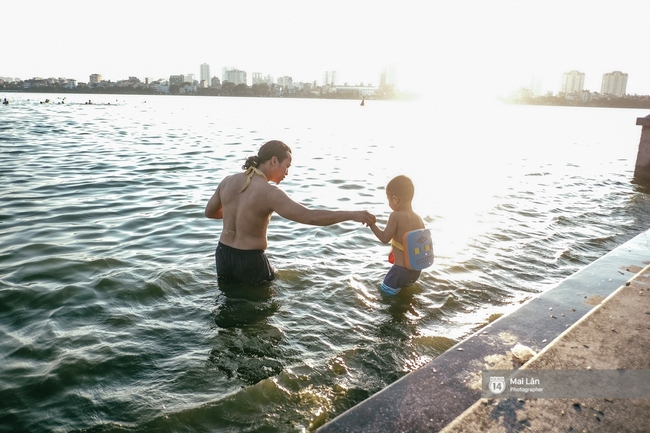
{"type": "Point", "coordinates": [246, 201]}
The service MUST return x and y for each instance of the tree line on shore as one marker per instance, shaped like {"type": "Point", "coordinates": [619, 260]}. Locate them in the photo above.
{"type": "Point", "coordinates": [626, 101]}
{"type": "Point", "coordinates": [226, 89]}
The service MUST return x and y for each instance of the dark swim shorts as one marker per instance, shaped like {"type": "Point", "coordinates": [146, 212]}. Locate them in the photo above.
{"type": "Point", "coordinates": [398, 277]}
{"type": "Point", "coordinates": [242, 266]}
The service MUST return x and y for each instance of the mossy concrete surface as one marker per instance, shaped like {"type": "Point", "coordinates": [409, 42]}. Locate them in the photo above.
{"type": "Point", "coordinates": [613, 336]}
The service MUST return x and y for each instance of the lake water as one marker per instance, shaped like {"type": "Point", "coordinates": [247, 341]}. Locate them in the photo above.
{"type": "Point", "coordinates": [111, 319]}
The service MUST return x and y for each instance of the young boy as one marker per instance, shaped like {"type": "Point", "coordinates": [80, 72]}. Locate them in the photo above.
{"type": "Point", "coordinates": [399, 192]}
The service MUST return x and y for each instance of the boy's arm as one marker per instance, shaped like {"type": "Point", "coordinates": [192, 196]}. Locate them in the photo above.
{"type": "Point", "coordinates": [387, 234]}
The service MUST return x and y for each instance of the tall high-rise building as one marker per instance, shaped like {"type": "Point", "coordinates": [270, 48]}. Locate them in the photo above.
{"type": "Point", "coordinates": [535, 86]}
{"type": "Point", "coordinates": [234, 76]}
{"type": "Point", "coordinates": [573, 81]}
{"type": "Point", "coordinates": [205, 75]}
{"type": "Point", "coordinates": [388, 76]}
{"type": "Point", "coordinates": [257, 78]}
{"type": "Point", "coordinates": [614, 83]}
{"type": "Point", "coordinates": [329, 78]}
{"type": "Point", "coordinates": [285, 82]}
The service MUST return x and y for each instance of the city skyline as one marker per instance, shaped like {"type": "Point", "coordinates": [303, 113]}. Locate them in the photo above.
{"type": "Point", "coordinates": [206, 72]}
{"type": "Point", "coordinates": [387, 76]}
{"type": "Point", "coordinates": [437, 47]}
{"type": "Point", "coordinates": [613, 83]}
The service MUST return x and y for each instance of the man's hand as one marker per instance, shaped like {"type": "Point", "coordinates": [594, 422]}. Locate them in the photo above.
{"type": "Point", "coordinates": [365, 217]}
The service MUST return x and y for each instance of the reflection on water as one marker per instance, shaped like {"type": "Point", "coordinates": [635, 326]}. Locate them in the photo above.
{"type": "Point", "coordinates": [111, 318]}
{"type": "Point", "coordinates": [246, 346]}
{"type": "Point", "coordinates": [241, 304]}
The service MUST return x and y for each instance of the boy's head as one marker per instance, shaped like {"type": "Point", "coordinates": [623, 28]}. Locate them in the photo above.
{"type": "Point", "coordinates": [402, 187]}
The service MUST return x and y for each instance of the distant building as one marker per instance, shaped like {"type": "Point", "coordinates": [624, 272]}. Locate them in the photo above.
{"type": "Point", "coordinates": [614, 83]}
{"type": "Point", "coordinates": [187, 89]}
{"type": "Point", "coordinates": [234, 76]}
{"type": "Point", "coordinates": [257, 78]}
{"type": "Point", "coordinates": [330, 78]}
{"type": "Point", "coordinates": [303, 87]}
{"type": "Point", "coordinates": [587, 96]}
{"type": "Point", "coordinates": [285, 82]}
{"type": "Point", "coordinates": [176, 80]}
{"type": "Point", "coordinates": [357, 90]}
{"type": "Point", "coordinates": [388, 76]}
{"type": "Point", "coordinates": [573, 81]}
{"type": "Point", "coordinates": [34, 82]}
{"type": "Point", "coordinates": [215, 83]}
{"type": "Point", "coordinates": [536, 86]}
{"type": "Point", "coordinates": [95, 79]}
{"type": "Point", "coordinates": [161, 87]}
{"type": "Point", "coordinates": [205, 75]}
{"type": "Point", "coordinates": [189, 78]}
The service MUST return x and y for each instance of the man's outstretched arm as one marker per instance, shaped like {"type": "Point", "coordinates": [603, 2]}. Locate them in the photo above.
{"type": "Point", "coordinates": [289, 209]}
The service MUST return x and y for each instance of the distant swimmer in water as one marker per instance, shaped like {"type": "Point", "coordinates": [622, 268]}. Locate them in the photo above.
{"type": "Point", "coordinates": [245, 201]}
{"type": "Point", "coordinates": [5, 102]}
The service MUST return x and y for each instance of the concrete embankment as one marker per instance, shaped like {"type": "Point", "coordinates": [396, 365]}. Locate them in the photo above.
{"type": "Point", "coordinates": [599, 318]}
{"type": "Point", "coordinates": [613, 336]}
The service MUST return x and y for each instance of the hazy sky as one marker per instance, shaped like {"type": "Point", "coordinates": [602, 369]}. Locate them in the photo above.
{"type": "Point", "coordinates": [491, 47]}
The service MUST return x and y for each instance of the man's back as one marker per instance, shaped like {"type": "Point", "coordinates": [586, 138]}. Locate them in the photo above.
{"type": "Point", "coordinates": [246, 214]}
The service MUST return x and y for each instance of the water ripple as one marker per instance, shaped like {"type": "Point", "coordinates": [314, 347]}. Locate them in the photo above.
{"type": "Point", "coordinates": [110, 315]}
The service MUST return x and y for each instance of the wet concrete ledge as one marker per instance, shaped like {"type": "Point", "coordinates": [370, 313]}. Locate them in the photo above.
{"type": "Point", "coordinates": [429, 398]}
{"type": "Point", "coordinates": [615, 335]}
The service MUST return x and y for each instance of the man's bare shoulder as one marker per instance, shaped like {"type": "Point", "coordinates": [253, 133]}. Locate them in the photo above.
{"type": "Point", "coordinates": [230, 178]}
{"type": "Point", "coordinates": [267, 191]}
{"type": "Point", "coordinates": [231, 181]}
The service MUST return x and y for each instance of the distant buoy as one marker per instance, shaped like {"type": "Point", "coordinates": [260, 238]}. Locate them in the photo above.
{"type": "Point", "coordinates": [363, 102]}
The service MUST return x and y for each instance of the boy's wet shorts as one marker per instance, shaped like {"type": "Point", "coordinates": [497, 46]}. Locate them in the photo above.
{"type": "Point", "coordinates": [242, 266]}
{"type": "Point", "coordinates": [398, 277]}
